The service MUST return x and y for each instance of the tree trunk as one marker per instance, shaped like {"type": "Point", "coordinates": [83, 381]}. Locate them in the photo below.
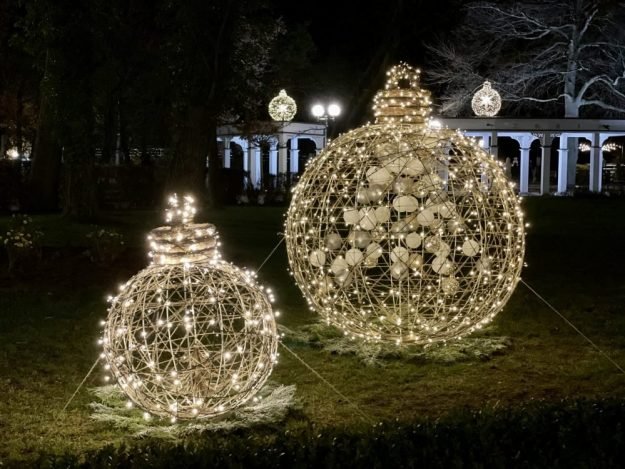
{"type": "Point", "coordinates": [79, 184]}
{"type": "Point", "coordinates": [46, 167]}
{"type": "Point", "coordinates": [215, 185]}
{"type": "Point", "coordinates": [188, 165]}
{"type": "Point", "coordinates": [109, 141]}
{"type": "Point", "coordinates": [123, 133]}
{"type": "Point", "coordinates": [80, 201]}
{"type": "Point", "coordinates": [19, 119]}
{"type": "Point", "coordinates": [571, 104]}
{"type": "Point", "coordinates": [571, 107]}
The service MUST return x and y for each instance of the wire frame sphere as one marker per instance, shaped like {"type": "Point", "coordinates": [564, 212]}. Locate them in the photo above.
{"type": "Point", "coordinates": [486, 101]}
{"type": "Point", "coordinates": [190, 338]}
{"type": "Point", "coordinates": [405, 234]}
{"type": "Point", "coordinates": [282, 108]}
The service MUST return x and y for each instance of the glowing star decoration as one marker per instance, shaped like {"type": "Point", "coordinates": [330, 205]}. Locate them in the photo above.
{"type": "Point", "coordinates": [282, 108]}
{"type": "Point", "coordinates": [486, 101]}
{"type": "Point", "coordinates": [405, 233]}
{"type": "Point", "coordinates": [190, 336]}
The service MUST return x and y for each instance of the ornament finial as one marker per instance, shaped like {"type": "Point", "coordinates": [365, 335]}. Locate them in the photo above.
{"type": "Point", "coordinates": [402, 100]}
{"type": "Point", "coordinates": [177, 214]}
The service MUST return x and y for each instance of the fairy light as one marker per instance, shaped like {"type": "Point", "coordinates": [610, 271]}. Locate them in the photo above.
{"type": "Point", "coordinates": [606, 147]}
{"type": "Point", "coordinates": [282, 108]}
{"type": "Point", "coordinates": [182, 328]}
{"type": "Point", "coordinates": [486, 101]}
{"type": "Point", "coordinates": [401, 104]}
{"type": "Point", "coordinates": [405, 232]}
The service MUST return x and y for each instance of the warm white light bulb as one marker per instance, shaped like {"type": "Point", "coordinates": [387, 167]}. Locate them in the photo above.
{"type": "Point", "coordinates": [435, 124]}
{"type": "Point", "coordinates": [334, 110]}
{"type": "Point", "coordinates": [318, 110]}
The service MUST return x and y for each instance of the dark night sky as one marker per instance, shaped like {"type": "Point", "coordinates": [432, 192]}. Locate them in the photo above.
{"type": "Point", "coordinates": [356, 42]}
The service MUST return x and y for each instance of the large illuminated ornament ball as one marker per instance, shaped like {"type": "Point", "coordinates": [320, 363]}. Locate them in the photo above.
{"type": "Point", "coordinates": [404, 233]}
{"type": "Point", "coordinates": [486, 101]}
{"type": "Point", "coordinates": [191, 335]}
{"type": "Point", "coordinates": [282, 108]}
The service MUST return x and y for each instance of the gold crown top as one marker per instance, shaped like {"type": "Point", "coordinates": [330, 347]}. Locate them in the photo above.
{"type": "Point", "coordinates": [402, 100]}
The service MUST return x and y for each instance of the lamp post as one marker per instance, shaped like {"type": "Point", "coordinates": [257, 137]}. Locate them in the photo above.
{"type": "Point", "coordinates": [325, 114]}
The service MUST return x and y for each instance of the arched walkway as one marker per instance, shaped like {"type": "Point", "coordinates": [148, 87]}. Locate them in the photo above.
{"type": "Point", "coordinates": [550, 165]}
{"type": "Point", "coordinates": [278, 157]}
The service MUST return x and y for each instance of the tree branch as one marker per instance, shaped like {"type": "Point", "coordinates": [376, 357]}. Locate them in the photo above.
{"type": "Point", "coordinates": [601, 104]}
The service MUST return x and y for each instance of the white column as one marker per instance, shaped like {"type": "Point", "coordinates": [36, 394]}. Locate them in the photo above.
{"type": "Point", "coordinates": [248, 157]}
{"type": "Point", "coordinates": [524, 171]}
{"type": "Point", "coordinates": [525, 142]}
{"type": "Point", "coordinates": [573, 143]}
{"type": "Point", "coordinates": [273, 158]}
{"type": "Point", "coordinates": [227, 153]}
{"type": "Point", "coordinates": [282, 154]}
{"type": "Point", "coordinates": [483, 141]}
{"type": "Point", "coordinates": [545, 164]}
{"type": "Point", "coordinates": [319, 145]}
{"type": "Point", "coordinates": [563, 165]}
{"type": "Point", "coordinates": [596, 158]}
{"type": "Point", "coordinates": [294, 156]}
{"type": "Point", "coordinates": [255, 166]}
{"type": "Point", "coordinates": [493, 144]}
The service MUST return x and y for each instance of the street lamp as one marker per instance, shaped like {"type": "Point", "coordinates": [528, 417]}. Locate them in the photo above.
{"type": "Point", "coordinates": [325, 114]}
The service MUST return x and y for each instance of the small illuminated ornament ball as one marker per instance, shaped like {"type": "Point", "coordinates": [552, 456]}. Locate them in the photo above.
{"type": "Point", "coordinates": [189, 336]}
{"type": "Point", "coordinates": [282, 108]}
{"type": "Point", "coordinates": [405, 232]}
{"type": "Point", "coordinates": [486, 101]}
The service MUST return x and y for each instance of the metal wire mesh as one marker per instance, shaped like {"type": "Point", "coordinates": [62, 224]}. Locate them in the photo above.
{"type": "Point", "coordinates": [398, 232]}
{"type": "Point", "coordinates": [190, 335]}
{"type": "Point", "coordinates": [191, 340]}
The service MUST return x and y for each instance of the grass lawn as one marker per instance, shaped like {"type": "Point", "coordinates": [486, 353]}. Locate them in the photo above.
{"type": "Point", "coordinates": [576, 259]}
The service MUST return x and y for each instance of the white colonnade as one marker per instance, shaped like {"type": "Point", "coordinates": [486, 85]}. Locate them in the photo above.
{"type": "Point", "coordinates": [283, 149]}
{"type": "Point", "coordinates": [526, 131]}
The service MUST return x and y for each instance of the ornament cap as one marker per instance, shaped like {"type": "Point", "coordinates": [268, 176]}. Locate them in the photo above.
{"type": "Point", "coordinates": [182, 241]}
{"type": "Point", "coordinates": [402, 100]}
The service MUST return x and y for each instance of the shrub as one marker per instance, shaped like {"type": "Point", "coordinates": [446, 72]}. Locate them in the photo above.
{"type": "Point", "coordinates": [23, 243]}
{"type": "Point", "coordinates": [562, 434]}
{"type": "Point", "coordinates": [105, 245]}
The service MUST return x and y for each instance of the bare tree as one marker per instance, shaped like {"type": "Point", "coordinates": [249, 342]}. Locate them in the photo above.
{"type": "Point", "coordinates": [569, 53]}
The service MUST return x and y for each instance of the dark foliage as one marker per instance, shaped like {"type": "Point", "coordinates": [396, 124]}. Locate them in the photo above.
{"type": "Point", "coordinates": [566, 434]}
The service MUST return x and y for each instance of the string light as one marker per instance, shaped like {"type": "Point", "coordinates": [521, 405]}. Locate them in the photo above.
{"type": "Point", "coordinates": [405, 232]}
{"type": "Point", "coordinates": [606, 147]}
{"type": "Point", "coordinates": [486, 101]}
{"type": "Point", "coordinates": [282, 108]}
{"type": "Point", "coordinates": [190, 336]}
